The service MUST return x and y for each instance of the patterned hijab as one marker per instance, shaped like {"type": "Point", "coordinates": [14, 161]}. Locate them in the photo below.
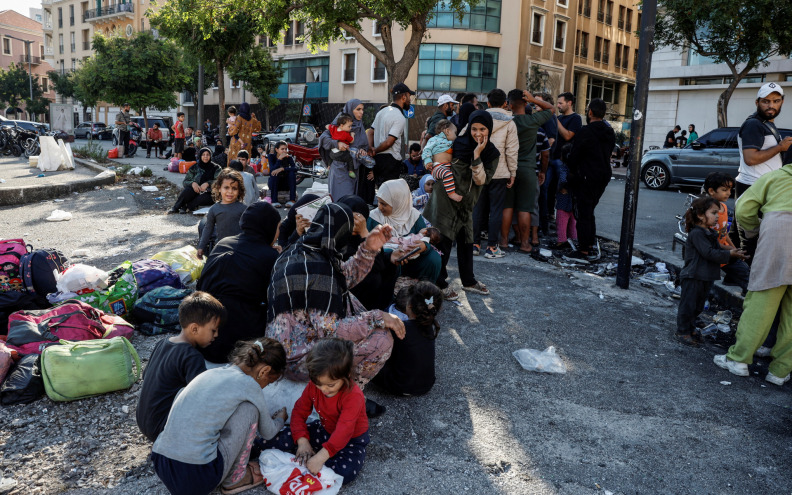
{"type": "Point", "coordinates": [308, 276]}
{"type": "Point", "coordinates": [397, 194]}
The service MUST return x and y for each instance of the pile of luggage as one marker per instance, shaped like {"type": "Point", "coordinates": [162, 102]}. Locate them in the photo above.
{"type": "Point", "coordinates": [65, 329]}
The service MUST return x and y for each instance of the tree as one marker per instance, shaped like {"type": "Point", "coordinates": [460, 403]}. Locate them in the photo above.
{"type": "Point", "coordinates": [743, 34]}
{"type": "Point", "coordinates": [15, 90]}
{"type": "Point", "coordinates": [325, 21]}
{"type": "Point", "coordinates": [217, 32]}
{"type": "Point", "coordinates": [259, 75]}
{"type": "Point", "coordinates": [71, 85]}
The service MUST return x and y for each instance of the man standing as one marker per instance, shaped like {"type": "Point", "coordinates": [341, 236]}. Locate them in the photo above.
{"type": "Point", "coordinates": [445, 109]}
{"type": "Point", "coordinates": [385, 135]}
{"type": "Point", "coordinates": [122, 121]}
{"type": "Point", "coordinates": [761, 148]}
{"type": "Point", "coordinates": [488, 212]}
{"type": "Point", "coordinates": [670, 140]}
{"type": "Point", "coordinates": [590, 173]}
{"type": "Point", "coordinates": [569, 123]}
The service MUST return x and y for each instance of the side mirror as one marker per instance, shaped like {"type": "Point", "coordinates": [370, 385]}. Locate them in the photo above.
{"type": "Point", "coordinates": [697, 145]}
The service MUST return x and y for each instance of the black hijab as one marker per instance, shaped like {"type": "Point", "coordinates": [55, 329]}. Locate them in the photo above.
{"type": "Point", "coordinates": [464, 145]}
{"type": "Point", "coordinates": [464, 114]}
{"type": "Point", "coordinates": [260, 219]}
{"type": "Point", "coordinates": [308, 276]}
{"type": "Point", "coordinates": [289, 225]}
{"type": "Point", "coordinates": [207, 168]}
{"type": "Point", "coordinates": [357, 205]}
{"type": "Point", "coordinates": [244, 110]}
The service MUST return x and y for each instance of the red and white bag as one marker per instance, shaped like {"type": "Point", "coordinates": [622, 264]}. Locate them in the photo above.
{"type": "Point", "coordinates": [283, 475]}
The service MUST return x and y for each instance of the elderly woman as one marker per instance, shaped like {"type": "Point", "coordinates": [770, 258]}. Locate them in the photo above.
{"type": "Point", "coordinates": [474, 163]}
{"type": "Point", "coordinates": [340, 183]}
{"type": "Point", "coordinates": [241, 131]}
{"type": "Point", "coordinates": [309, 296]}
{"type": "Point", "coordinates": [198, 182]}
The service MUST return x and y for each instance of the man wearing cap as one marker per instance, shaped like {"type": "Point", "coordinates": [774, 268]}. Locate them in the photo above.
{"type": "Point", "coordinates": [385, 135]}
{"type": "Point", "coordinates": [761, 147]}
{"type": "Point", "coordinates": [445, 110]}
{"type": "Point", "coordinates": [122, 122]}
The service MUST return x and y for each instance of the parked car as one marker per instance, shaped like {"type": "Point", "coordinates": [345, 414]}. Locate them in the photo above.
{"type": "Point", "coordinates": [287, 132]}
{"type": "Point", "coordinates": [28, 125]}
{"type": "Point", "coordinates": [715, 151]}
{"type": "Point", "coordinates": [92, 129]}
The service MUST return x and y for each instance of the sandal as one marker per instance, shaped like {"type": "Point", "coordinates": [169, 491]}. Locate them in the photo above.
{"type": "Point", "coordinates": [686, 339]}
{"type": "Point", "coordinates": [450, 294]}
{"type": "Point", "coordinates": [479, 288]}
{"type": "Point", "coordinates": [256, 479]}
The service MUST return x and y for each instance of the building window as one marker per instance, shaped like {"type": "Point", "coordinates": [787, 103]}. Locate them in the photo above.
{"type": "Point", "coordinates": [625, 57]}
{"type": "Point", "coordinates": [618, 55]}
{"type": "Point", "coordinates": [288, 38]}
{"type": "Point", "coordinates": [71, 15]}
{"type": "Point", "coordinates": [598, 49]}
{"type": "Point", "coordinates": [44, 84]}
{"type": "Point", "coordinates": [375, 29]}
{"type": "Point", "coordinates": [584, 42]}
{"type": "Point", "coordinates": [313, 72]}
{"type": "Point", "coordinates": [348, 67]}
{"type": "Point", "coordinates": [635, 61]}
{"type": "Point", "coordinates": [605, 51]}
{"type": "Point", "coordinates": [537, 28]}
{"type": "Point", "coordinates": [584, 8]}
{"type": "Point", "coordinates": [622, 10]}
{"type": "Point", "coordinates": [639, 20]}
{"type": "Point", "coordinates": [468, 68]}
{"type": "Point", "coordinates": [299, 33]}
{"type": "Point", "coordinates": [609, 13]}
{"type": "Point", "coordinates": [73, 42]}
{"type": "Point", "coordinates": [234, 84]}
{"type": "Point", "coordinates": [600, 88]}
{"type": "Point", "coordinates": [485, 16]}
{"type": "Point", "coordinates": [346, 35]}
{"type": "Point", "coordinates": [60, 17]}
{"type": "Point", "coordinates": [601, 10]}
{"type": "Point", "coordinates": [563, 3]}
{"type": "Point", "coordinates": [378, 72]}
{"type": "Point", "coordinates": [60, 42]}
{"type": "Point", "coordinates": [560, 35]}
{"type": "Point", "coordinates": [628, 21]}
{"type": "Point", "coordinates": [6, 46]}
{"type": "Point", "coordinates": [74, 64]}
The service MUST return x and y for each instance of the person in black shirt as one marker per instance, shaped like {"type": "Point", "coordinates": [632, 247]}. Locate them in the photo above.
{"type": "Point", "coordinates": [670, 140]}
{"type": "Point", "coordinates": [569, 124]}
{"type": "Point", "coordinates": [175, 361]}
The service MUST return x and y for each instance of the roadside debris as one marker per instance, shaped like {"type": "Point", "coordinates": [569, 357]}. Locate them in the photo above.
{"type": "Point", "coordinates": [547, 361]}
{"type": "Point", "coordinates": [59, 216]}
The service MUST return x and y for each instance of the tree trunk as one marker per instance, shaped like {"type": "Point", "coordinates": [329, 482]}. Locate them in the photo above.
{"type": "Point", "coordinates": [145, 125]}
{"type": "Point", "coordinates": [723, 99]}
{"type": "Point", "coordinates": [267, 117]}
{"type": "Point", "coordinates": [221, 101]}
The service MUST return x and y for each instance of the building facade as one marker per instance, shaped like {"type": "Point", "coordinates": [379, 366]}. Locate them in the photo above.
{"type": "Point", "coordinates": [684, 89]}
{"type": "Point", "coordinates": [13, 28]}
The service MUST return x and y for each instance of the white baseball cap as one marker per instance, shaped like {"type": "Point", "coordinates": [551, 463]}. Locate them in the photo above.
{"type": "Point", "coordinates": [445, 99]}
{"type": "Point", "coordinates": [770, 88]}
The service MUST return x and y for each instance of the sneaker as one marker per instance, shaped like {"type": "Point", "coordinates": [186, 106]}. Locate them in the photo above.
{"type": "Point", "coordinates": [776, 380]}
{"type": "Point", "coordinates": [494, 253]}
{"type": "Point", "coordinates": [476, 250]}
{"type": "Point", "coordinates": [289, 204]}
{"type": "Point", "coordinates": [735, 368]}
{"type": "Point", "coordinates": [450, 294]}
{"type": "Point", "coordinates": [277, 205]}
{"type": "Point", "coordinates": [576, 257]}
{"type": "Point", "coordinates": [763, 351]}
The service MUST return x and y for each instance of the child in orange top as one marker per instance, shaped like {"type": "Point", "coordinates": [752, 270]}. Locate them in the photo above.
{"type": "Point", "coordinates": [341, 434]}
{"type": "Point", "coordinates": [437, 156]}
{"type": "Point", "coordinates": [719, 185]}
{"type": "Point", "coordinates": [341, 132]}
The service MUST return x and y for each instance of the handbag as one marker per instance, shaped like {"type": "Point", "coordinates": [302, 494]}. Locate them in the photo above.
{"type": "Point", "coordinates": [75, 370]}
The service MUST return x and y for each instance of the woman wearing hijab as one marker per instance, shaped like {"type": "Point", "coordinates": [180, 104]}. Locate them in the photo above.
{"type": "Point", "coordinates": [237, 273]}
{"type": "Point", "coordinates": [395, 209]}
{"type": "Point", "coordinates": [198, 182]}
{"type": "Point", "coordinates": [241, 131]}
{"type": "Point", "coordinates": [288, 229]}
{"type": "Point", "coordinates": [375, 291]}
{"type": "Point", "coordinates": [309, 297]}
{"type": "Point", "coordinates": [339, 181]}
{"type": "Point", "coordinates": [421, 195]}
{"type": "Point", "coordinates": [474, 163]}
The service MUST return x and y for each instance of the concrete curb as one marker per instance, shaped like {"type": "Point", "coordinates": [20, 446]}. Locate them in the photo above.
{"type": "Point", "coordinates": [33, 194]}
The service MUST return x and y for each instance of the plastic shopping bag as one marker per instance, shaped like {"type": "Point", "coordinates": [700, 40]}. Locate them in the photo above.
{"type": "Point", "coordinates": [184, 261]}
{"type": "Point", "coordinates": [283, 475]}
{"type": "Point", "coordinates": [284, 393]}
{"type": "Point", "coordinates": [546, 361]}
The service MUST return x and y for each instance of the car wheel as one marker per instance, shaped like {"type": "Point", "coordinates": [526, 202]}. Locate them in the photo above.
{"type": "Point", "coordinates": [656, 176]}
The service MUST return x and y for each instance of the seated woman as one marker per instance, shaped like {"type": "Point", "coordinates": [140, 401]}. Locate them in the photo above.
{"type": "Point", "coordinates": [290, 231]}
{"type": "Point", "coordinates": [237, 273]}
{"type": "Point", "coordinates": [198, 182]}
{"type": "Point", "coordinates": [309, 296]}
{"type": "Point", "coordinates": [395, 209]}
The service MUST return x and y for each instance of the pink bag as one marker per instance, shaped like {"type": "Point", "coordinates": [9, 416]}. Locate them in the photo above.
{"type": "Point", "coordinates": [11, 252]}
{"type": "Point", "coordinates": [173, 165]}
{"type": "Point", "coordinates": [30, 331]}
{"type": "Point", "coordinates": [5, 360]}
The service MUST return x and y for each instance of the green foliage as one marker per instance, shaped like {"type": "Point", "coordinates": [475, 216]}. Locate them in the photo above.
{"type": "Point", "coordinates": [93, 151]}
{"type": "Point", "coordinates": [259, 74]}
{"type": "Point", "coordinates": [67, 85]}
{"type": "Point", "coordinates": [146, 172]}
{"type": "Point", "coordinates": [15, 90]}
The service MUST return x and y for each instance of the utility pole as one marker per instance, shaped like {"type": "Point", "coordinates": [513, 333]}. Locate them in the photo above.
{"type": "Point", "coordinates": [200, 102]}
{"type": "Point", "coordinates": [28, 44]}
{"type": "Point", "coordinates": [645, 49]}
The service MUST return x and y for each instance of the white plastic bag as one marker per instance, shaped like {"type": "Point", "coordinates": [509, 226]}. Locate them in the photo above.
{"type": "Point", "coordinates": [78, 277]}
{"type": "Point", "coordinates": [284, 393]}
{"type": "Point", "coordinates": [283, 475]}
{"type": "Point", "coordinates": [546, 361]}
{"type": "Point", "coordinates": [59, 216]}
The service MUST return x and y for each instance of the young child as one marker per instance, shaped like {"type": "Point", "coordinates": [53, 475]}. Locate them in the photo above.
{"type": "Point", "coordinates": [259, 163]}
{"type": "Point", "coordinates": [703, 257]}
{"type": "Point", "coordinates": [212, 424]}
{"type": "Point", "coordinates": [719, 185]}
{"type": "Point", "coordinates": [251, 187]}
{"type": "Point", "coordinates": [410, 370]}
{"type": "Point", "coordinates": [341, 132]}
{"type": "Point", "coordinates": [178, 136]}
{"type": "Point", "coordinates": [231, 125]}
{"type": "Point", "coordinates": [176, 361]}
{"type": "Point", "coordinates": [566, 225]}
{"type": "Point", "coordinates": [421, 195]}
{"type": "Point", "coordinates": [229, 192]}
{"type": "Point", "coordinates": [341, 434]}
{"type": "Point", "coordinates": [244, 158]}
{"type": "Point", "coordinates": [437, 156]}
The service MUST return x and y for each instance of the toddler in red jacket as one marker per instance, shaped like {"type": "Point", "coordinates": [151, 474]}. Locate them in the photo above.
{"type": "Point", "coordinates": [338, 439]}
{"type": "Point", "coordinates": [340, 131]}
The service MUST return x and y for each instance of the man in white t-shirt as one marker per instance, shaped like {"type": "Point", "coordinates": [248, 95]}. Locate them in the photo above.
{"type": "Point", "coordinates": [761, 147]}
{"type": "Point", "coordinates": [385, 135]}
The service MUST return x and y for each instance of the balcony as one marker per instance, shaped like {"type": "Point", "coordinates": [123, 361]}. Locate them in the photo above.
{"type": "Point", "coordinates": [111, 12]}
{"type": "Point", "coordinates": [86, 45]}
{"type": "Point", "coordinates": [49, 51]}
{"type": "Point", "coordinates": [47, 25]}
{"type": "Point", "coordinates": [34, 60]}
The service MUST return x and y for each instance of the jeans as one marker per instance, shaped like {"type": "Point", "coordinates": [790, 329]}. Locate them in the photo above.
{"type": "Point", "coordinates": [492, 196]}
{"type": "Point", "coordinates": [464, 258]}
{"type": "Point", "coordinates": [548, 192]}
{"type": "Point", "coordinates": [291, 180]}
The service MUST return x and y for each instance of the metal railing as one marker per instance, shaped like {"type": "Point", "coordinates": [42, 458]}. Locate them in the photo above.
{"type": "Point", "coordinates": [609, 19]}
{"type": "Point", "coordinates": [122, 8]}
{"type": "Point", "coordinates": [73, 47]}
{"type": "Point", "coordinates": [46, 25]}
{"type": "Point", "coordinates": [586, 11]}
{"type": "Point", "coordinates": [621, 23]}
{"type": "Point", "coordinates": [27, 58]}
{"type": "Point", "coordinates": [86, 45]}
{"type": "Point", "coordinates": [600, 15]}
{"type": "Point", "coordinates": [48, 50]}
{"type": "Point", "coordinates": [605, 58]}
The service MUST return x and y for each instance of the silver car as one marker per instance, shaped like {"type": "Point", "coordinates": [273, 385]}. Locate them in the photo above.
{"type": "Point", "coordinates": [715, 151]}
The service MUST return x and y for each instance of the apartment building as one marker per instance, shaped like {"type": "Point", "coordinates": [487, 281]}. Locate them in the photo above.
{"type": "Point", "coordinates": [15, 27]}
{"type": "Point", "coordinates": [565, 45]}
{"type": "Point", "coordinates": [69, 26]}
{"type": "Point", "coordinates": [684, 88]}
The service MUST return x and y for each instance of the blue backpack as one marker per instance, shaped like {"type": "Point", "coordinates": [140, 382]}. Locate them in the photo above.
{"type": "Point", "coordinates": [157, 312]}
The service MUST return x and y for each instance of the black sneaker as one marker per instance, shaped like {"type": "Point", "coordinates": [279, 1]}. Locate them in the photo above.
{"type": "Point", "coordinates": [373, 409]}
{"type": "Point", "coordinates": [576, 257]}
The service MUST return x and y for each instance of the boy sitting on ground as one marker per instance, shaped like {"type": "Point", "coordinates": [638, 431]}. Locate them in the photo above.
{"type": "Point", "coordinates": [175, 362]}
{"type": "Point", "coordinates": [341, 132]}
{"type": "Point", "coordinates": [437, 156]}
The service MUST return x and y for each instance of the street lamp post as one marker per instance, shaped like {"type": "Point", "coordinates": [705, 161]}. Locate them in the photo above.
{"type": "Point", "coordinates": [28, 44]}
